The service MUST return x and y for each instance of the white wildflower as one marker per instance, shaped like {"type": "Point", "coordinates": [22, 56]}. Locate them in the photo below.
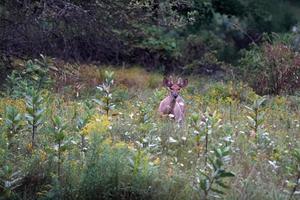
{"type": "Point", "coordinates": [152, 145]}
{"type": "Point", "coordinates": [131, 115]}
{"type": "Point", "coordinates": [172, 140]}
{"type": "Point", "coordinates": [273, 164]}
{"type": "Point", "coordinates": [228, 139]}
{"type": "Point", "coordinates": [145, 140]}
{"type": "Point", "coordinates": [139, 144]}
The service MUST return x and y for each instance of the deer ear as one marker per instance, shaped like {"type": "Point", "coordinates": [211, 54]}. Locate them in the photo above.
{"type": "Point", "coordinates": [167, 82]}
{"type": "Point", "coordinates": [183, 83]}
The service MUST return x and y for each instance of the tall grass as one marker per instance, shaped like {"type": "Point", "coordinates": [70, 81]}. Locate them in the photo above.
{"type": "Point", "coordinates": [82, 153]}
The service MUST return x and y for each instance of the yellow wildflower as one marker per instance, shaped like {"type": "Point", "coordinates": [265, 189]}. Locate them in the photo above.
{"type": "Point", "coordinates": [18, 103]}
{"type": "Point", "coordinates": [97, 124]}
{"type": "Point", "coordinates": [131, 146]}
{"type": "Point", "coordinates": [280, 101]}
{"type": "Point", "coordinates": [43, 155]}
{"type": "Point", "coordinates": [121, 145]}
{"type": "Point", "coordinates": [156, 161]}
{"type": "Point", "coordinates": [107, 141]}
{"type": "Point", "coordinates": [29, 147]}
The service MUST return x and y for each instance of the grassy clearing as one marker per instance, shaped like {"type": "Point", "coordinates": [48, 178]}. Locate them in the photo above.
{"type": "Point", "coordinates": [81, 152]}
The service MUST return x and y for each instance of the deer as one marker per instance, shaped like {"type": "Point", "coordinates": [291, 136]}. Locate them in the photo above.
{"type": "Point", "coordinates": [173, 105]}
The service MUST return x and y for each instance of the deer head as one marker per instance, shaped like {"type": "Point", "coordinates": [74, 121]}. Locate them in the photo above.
{"type": "Point", "coordinates": [174, 88]}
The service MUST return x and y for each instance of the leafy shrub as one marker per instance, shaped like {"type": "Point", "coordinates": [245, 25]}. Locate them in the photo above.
{"type": "Point", "coordinates": [221, 92]}
{"type": "Point", "coordinates": [266, 17]}
{"type": "Point", "coordinates": [110, 172]}
{"type": "Point", "coordinates": [35, 110]}
{"type": "Point", "coordinates": [296, 170]}
{"type": "Point", "coordinates": [211, 180]}
{"type": "Point", "coordinates": [106, 101]}
{"type": "Point", "coordinates": [34, 75]}
{"type": "Point", "coordinates": [272, 68]}
{"type": "Point", "coordinates": [199, 53]}
{"type": "Point", "coordinates": [13, 123]}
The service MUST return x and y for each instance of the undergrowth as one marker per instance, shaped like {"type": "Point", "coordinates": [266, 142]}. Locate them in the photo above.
{"type": "Point", "coordinates": [63, 141]}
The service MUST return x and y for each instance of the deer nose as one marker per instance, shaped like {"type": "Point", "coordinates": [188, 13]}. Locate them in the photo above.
{"type": "Point", "coordinates": [175, 95]}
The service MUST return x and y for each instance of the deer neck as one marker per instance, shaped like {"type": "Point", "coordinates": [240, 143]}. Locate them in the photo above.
{"type": "Point", "coordinates": [172, 105]}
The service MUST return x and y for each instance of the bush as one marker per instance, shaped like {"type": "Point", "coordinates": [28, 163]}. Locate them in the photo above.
{"type": "Point", "coordinates": [35, 74]}
{"type": "Point", "coordinates": [110, 171]}
{"type": "Point", "coordinates": [272, 68]}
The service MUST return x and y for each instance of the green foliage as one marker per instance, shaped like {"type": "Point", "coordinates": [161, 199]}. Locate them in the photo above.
{"type": "Point", "coordinates": [296, 169]}
{"type": "Point", "coordinates": [256, 115]}
{"type": "Point", "coordinates": [35, 109]}
{"type": "Point", "coordinates": [230, 7]}
{"type": "Point", "coordinates": [82, 121]}
{"type": "Point", "coordinates": [59, 137]}
{"type": "Point", "coordinates": [105, 88]}
{"type": "Point", "coordinates": [151, 33]}
{"type": "Point", "coordinates": [13, 123]}
{"type": "Point", "coordinates": [34, 75]}
{"type": "Point", "coordinates": [12, 81]}
{"type": "Point", "coordinates": [214, 172]}
{"type": "Point", "coordinates": [4, 68]}
{"type": "Point", "coordinates": [132, 153]}
{"type": "Point", "coordinates": [204, 127]}
{"type": "Point", "coordinates": [212, 178]}
{"type": "Point", "coordinates": [158, 41]}
{"type": "Point", "coordinates": [108, 174]}
{"type": "Point", "coordinates": [272, 68]}
{"type": "Point", "coordinates": [270, 16]}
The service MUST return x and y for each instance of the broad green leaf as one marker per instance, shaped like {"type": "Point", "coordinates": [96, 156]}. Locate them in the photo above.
{"type": "Point", "coordinates": [217, 191]}
{"type": "Point", "coordinates": [223, 185]}
{"type": "Point", "coordinates": [204, 184]}
{"type": "Point", "coordinates": [227, 174]}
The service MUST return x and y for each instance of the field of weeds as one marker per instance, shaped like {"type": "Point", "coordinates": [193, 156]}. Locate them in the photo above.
{"type": "Point", "coordinates": [89, 132]}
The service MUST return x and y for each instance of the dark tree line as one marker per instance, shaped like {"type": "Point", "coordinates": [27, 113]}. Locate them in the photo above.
{"type": "Point", "coordinates": [158, 34]}
{"type": "Point", "coordinates": [70, 30]}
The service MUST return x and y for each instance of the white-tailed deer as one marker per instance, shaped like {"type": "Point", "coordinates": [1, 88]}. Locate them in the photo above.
{"type": "Point", "coordinates": [173, 104]}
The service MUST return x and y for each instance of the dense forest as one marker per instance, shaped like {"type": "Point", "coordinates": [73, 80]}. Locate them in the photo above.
{"type": "Point", "coordinates": [157, 34]}
{"type": "Point", "coordinates": [81, 83]}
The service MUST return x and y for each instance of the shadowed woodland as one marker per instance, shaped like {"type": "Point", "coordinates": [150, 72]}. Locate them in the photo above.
{"type": "Point", "coordinates": [81, 86]}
